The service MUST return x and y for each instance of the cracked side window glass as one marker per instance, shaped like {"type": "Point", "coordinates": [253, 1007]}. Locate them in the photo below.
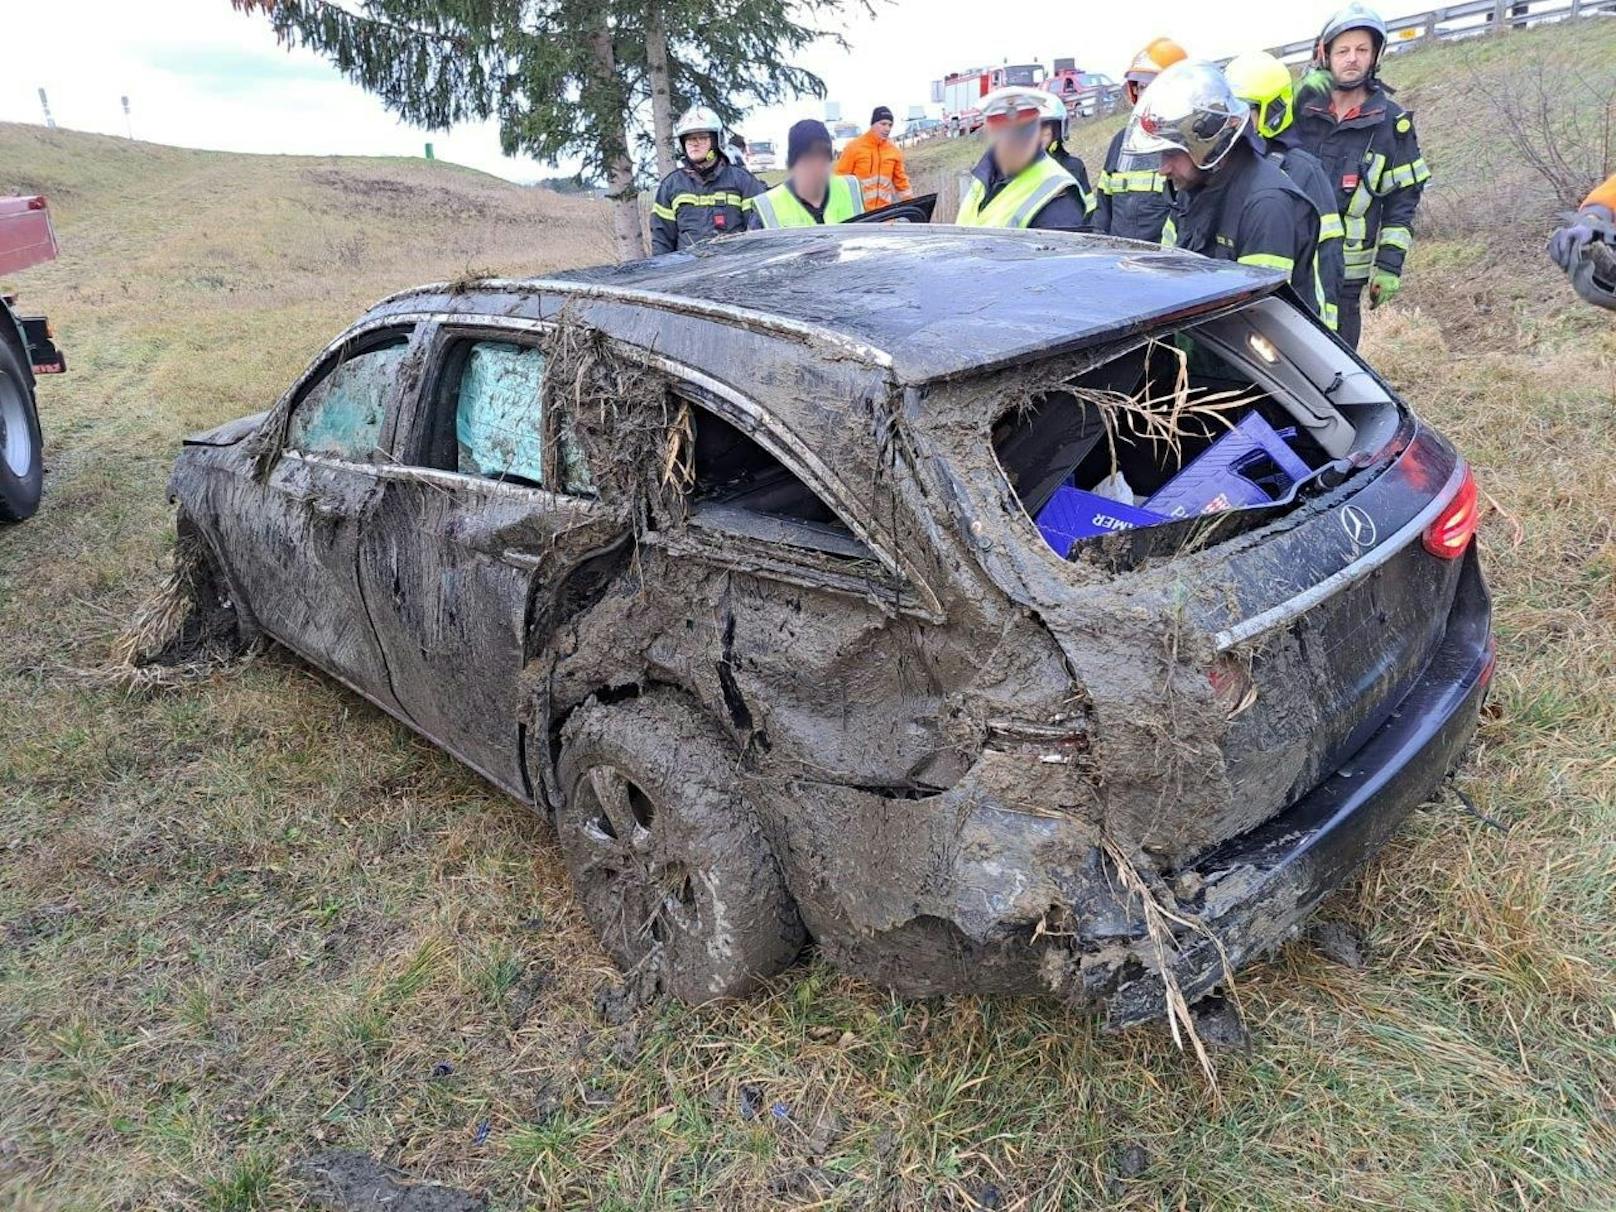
{"type": "Point", "coordinates": [499, 419]}
{"type": "Point", "coordinates": [499, 425]}
{"type": "Point", "coordinates": [342, 413]}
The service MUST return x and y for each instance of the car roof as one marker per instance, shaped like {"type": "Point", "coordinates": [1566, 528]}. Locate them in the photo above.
{"type": "Point", "coordinates": [935, 301]}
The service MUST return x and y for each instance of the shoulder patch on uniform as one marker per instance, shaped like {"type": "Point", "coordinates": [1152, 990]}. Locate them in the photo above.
{"type": "Point", "coordinates": [1405, 124]}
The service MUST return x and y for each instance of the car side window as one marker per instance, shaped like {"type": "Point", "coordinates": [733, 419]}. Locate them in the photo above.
{"type": "Point", "coordinates": [499, 420]}
{"type": "Point", "coordinates": [738, 486]}
{"type": "Point", "coordinates": [343, 411]}
{"type": "Point", "coordinates": [495, 393]}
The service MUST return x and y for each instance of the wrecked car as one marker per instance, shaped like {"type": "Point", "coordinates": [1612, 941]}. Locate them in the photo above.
{"type": "Point", "coordinates": [1003, 611]}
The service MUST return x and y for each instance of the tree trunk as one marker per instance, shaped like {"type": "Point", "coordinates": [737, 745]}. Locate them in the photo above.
{"type": "Point", "coordinates": [621, 191]}
{"type": "Point", "coordinates": [656, 63]}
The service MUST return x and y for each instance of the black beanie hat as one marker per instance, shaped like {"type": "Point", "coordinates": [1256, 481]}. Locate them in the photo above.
{"type": "Point", "coordinates": [804, 135]}
{"type": "Point", "coordinates": [881, 114]}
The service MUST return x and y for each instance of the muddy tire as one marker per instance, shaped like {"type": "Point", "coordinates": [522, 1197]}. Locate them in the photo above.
{"type": "Point", "coordinates": [666, 854]}
{"type": "Point", "coordinates": [22, 467]}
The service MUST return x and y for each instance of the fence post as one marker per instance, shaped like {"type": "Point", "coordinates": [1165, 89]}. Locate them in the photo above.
{"type": "Point", "coordinates": [1497, 15]}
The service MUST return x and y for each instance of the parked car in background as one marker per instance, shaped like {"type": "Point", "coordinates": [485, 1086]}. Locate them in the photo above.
{"type": "Point", "coordinates": [842, 582]}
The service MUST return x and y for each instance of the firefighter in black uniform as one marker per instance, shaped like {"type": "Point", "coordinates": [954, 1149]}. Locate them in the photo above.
{"type": "Point", "coordinates": [1265, 84]}
{"type": "Point", "coordinates": [1229, 201]}
{"type": "Point", "coordinates": [707, 195]}
{"type": "Point", "coordinates": [1367, 145]}
{"type": "Point", "coordinates": [1133, 195]}
{"type": "Point", "coordinates": [1055, 122]}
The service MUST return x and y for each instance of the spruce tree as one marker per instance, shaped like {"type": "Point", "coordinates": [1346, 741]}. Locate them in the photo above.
{"type": "Point", "coordinates": [565, 78]}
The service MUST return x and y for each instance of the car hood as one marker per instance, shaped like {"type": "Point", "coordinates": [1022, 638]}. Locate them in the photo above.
{"type": "Point", "coordinates": [227, 434]}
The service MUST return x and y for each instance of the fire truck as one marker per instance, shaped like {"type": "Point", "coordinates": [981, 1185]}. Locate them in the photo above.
{"type": "Point", "coordinates": [27, 349]}
{"type": "Point", "coordinates": [961, 93]}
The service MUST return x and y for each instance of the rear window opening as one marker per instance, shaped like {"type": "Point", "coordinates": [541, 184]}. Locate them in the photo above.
{"type": "Point", "coordinates": [741, 488]}
{"type": "Point", "coordinates": [1236, 419]}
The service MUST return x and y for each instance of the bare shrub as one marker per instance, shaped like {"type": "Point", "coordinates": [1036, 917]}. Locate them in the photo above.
{"type": "Point", "coordinates": [1559, 123]}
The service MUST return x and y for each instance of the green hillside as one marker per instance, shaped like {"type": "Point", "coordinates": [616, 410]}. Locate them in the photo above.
{"type": "Point", "coordinates": [249, 920]}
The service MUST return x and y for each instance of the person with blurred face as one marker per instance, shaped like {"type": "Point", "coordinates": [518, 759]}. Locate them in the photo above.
{"type": "Point", "coordinates": [877, 162]}
{"type": "Point", "coordinates": [707, 194]}
{"type": "Point", "coordinates": [1228, 200]}
{"type": "Point", "coordinates": [1017, 183]}
{"type": "Point", "coordinates": [810, 194]}
{"type": "Point", "coordinates": [1366, 142]}
{"type": "Point", "coordinates": [1132, 199]}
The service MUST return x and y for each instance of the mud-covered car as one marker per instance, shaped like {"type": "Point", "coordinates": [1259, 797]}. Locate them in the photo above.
{"type": "Point", "coordinates": [774, 573]}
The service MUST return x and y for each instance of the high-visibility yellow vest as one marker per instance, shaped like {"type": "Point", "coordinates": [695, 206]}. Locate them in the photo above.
{"type": "Point", "coordinates": [1018, 203]}
{"type": "Point", "coordinates": [779, 207]}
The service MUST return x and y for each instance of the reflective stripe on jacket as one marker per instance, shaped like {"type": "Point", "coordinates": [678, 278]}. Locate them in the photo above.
{"type": "Point", "coordinates": [1132, 195]}
{"type": "Point", "coordinates": [1017, 202]}
{"type": "Point", "coordinates": [1372, 158]}
{"type": "Point", "coordinates": [692, 205]}
{"type": "Point", "coordinates": [779, 207]}
{"type": "Point", "coordinates": [878, 164]}
{"type": "Point", "coordinates": [1251, 212]}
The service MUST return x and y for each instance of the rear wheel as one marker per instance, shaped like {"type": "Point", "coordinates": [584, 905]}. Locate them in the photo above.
{"type": "Point", "coordinates": [665, 852]}
{"type": "Point", "coordinates": [22, 469]}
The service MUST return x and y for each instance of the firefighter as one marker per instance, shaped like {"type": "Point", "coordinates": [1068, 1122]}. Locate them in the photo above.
{"type": "Point", "coordinates": [707, 194]}
{"type": "Point", "coordinates": [1367, 145]}
{"type": "Point", "coordinates": [1586, 247]}
{"type": "Point", "coordinates": [877, 162]}
{"type": "Point", "coordinates": [1017, 183]}
{"type": "Point", "coordinates": [1229, 201]}
{"type": "Point", "coordinates": [1264, 83]}
{"type": "Point", "coordinates": [1132, 196]}
{"type": "Point", "coordinates": [1057, 119]}
{"type": "Point", "coordinates": [810, 194]}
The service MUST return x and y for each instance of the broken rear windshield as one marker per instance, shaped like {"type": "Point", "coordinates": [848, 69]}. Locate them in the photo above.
{"type": "Point", "coordinates": [1188, 424]}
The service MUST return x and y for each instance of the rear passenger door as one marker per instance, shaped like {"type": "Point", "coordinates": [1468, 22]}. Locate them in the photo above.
{"type": "Point", "coordinates": [486, 504]}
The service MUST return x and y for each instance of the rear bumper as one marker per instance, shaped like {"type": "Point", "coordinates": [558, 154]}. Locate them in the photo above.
{"type": "Point", "coordinates": [1259, 887]}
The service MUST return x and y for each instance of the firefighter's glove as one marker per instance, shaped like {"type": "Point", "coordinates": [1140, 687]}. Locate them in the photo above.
{"type": "Point", "coordinates": [1383, 287]}
{"type": "Point", "coordinates": [1566, 245]}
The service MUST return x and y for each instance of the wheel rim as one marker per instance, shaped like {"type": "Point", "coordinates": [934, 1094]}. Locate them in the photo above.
{"type": "Point", "coordinates": [16, 436]}
{"type": "Point", "coordinates": [645, 896]}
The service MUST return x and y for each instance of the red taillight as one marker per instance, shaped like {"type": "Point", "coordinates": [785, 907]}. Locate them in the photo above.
{"type": "Point", "coordinates": [1449, 536]}
{"type": "Point", "coordinates": [37, 202]}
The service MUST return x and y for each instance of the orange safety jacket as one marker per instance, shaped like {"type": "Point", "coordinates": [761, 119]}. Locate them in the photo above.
{"type": "Point", "coordinates": [878, 164]}
{"type": "Point", "coordinates": [1604, 195]}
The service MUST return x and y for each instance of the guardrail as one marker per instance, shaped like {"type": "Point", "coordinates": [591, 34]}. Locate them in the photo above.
{"type": "Point", "coordinates": [1470, 20]}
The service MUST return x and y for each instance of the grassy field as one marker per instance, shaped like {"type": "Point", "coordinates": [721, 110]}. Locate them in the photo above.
{"type": "Point", "coordinates": [251, 920]}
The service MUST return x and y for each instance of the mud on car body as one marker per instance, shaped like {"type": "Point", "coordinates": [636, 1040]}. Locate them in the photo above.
{"type": "Point", "coordinates": [730, 561]}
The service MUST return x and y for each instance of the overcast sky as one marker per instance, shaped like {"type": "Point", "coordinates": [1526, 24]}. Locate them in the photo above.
{"type": "Point", "coordinates": [199, 74]}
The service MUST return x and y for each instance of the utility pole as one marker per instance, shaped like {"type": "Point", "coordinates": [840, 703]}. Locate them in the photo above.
{"type": "Point", "coordinates": [128, 122]}
{"type": "Point", "coordinates": [44, 104]}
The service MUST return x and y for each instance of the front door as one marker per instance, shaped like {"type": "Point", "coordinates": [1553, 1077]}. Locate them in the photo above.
{"type": "Point", "coordinates": [468, 529]}
{"type": "Point", "coordinates": [294, 542]}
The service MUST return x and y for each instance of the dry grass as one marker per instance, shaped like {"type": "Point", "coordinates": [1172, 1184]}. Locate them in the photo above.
{"type": "Point", "coordinates": [250, 919]}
